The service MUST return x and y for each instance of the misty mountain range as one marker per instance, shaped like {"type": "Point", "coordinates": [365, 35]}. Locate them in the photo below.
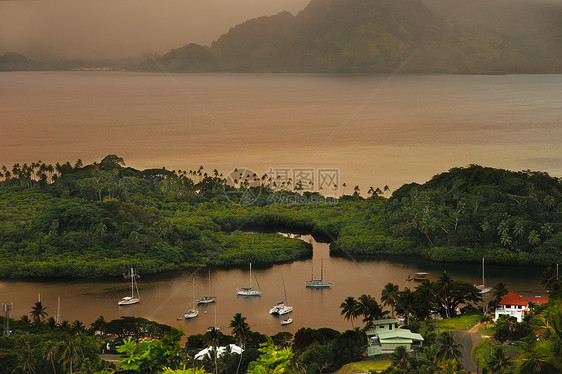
{"type": "Point", "coordinates": [372, 36]}
{"type": "Point", "coordinates": [368, 36]}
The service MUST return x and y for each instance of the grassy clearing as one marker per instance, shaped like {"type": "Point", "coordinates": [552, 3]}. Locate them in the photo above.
{"type": "Point", "coordinates": [482, 351]}
{"type": "Point", "coordinates": [462, 323]}
{"type": "Point", "coordinates": [487, 331]}
{"type": "Point", "coordinates": [361, 366]}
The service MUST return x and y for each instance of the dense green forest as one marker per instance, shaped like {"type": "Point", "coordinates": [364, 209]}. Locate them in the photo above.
{"type": "Point", "coordinates": [75, 220]}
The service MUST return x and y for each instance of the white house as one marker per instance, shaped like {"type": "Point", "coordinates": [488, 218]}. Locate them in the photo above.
{"type": "Point", "coordinates": [517, 306]}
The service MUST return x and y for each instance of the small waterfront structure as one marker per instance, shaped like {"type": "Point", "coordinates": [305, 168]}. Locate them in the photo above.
{"type": "Point", "coordinates": [513, 305]}
{"type": "Point", "coordinates": [386, 336]}
{"type": "Point", "coordinates": [420, 276]}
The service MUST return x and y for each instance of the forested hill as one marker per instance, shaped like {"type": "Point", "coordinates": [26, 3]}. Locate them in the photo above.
{"type": "Point", "coordinates": [74, 220]}
{"type": "Point", "coordinates": [365, 36]}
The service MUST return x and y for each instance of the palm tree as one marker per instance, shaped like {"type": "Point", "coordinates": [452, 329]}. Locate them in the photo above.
{"type": "Point", "coordinates": [240, 330]}
{"type": "Point", "coordinates": [550, 281]}
{"type": "Point", "coordinates": [77, 327]}
{"type": "Point", "coordinates": [212, 339]}
{"type": "Point", "coordinates": [549, 201]}
{"type": "Point", "coordinates": [500, 290]}
{"type": "Point", "coordinates": [400, 358]}
{"type": "Point", "coordinates": [447, 347]}
{"type": "Point", "coordinates": [25, 320]}
{"type": "Point", "coordinates": [373, 312]}
{"type": "Point", "coordinates": [547, 230]}
{"type": "Point", "coordinates": [498, 362]}
{"type": "Point", "coordinates": [24, 354]}
{"type": "Point", "coordinates": [519, 228]}
{"type": "Point", "coordinates": [505, 240]}
{"type": "Point", "coordinates": [445, 285]}
{"type": "Point", "coordinates": [449, 367]}
{"type": "Point", "coordinates": [72, 351]}
{"type": "Point", "coordinates": [503, 229]}
{"type": "Point", "coordinates": [534, 238]}
{"type": "Point", "coordinates": [349, 309]}
{"type": "Point", "coordinates": [50, 351]}
{"type": "Point", "coordinates": [534, 362]}
{"type": "Point", "coordinates": [428, 358]}
{"type": "Point", "coordinates": [99, 325]}
{"type": "Point", "coordinates": [405, 303]}
{"type": "Point", "coordinates": [370, 309]}
{"type": "Point", "coordinates": [550, 343]}
{"type": "Point", "coordinates": [38, 312]}
{"type": "Point", "coordinates": [389, 296]}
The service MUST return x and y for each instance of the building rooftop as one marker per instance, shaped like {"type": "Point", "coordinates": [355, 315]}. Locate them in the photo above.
{"type": "Point", "coordinates": [396, 334]}
{"type": "Point", "coordinates": [513, 299]}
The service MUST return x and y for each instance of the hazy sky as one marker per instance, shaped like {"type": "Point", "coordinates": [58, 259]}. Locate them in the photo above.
{"type": "Point", "coordinates": [122, 28]}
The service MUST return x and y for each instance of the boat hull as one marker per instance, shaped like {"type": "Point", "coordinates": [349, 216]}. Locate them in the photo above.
{"type": "Point", "coordinates": [286, 321]}
{"type": "Point", "coordinates": [128, 302]}
{"type": "Point", "coordinates": [248, 293]}
{"type": "Point", "coordinates": [280, 310]}
{"type": "Point", "coordinates": [318, 284]}
{"type": "Point", "coordinates": [206, 300]}
{"type": "Point", "coordinates": [191, 314]}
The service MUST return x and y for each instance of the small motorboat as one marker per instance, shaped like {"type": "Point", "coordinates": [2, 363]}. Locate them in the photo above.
{"type": "Point", "coordinates": [286, 321]}
{"type": "Point", "coordinates": [409, 278]}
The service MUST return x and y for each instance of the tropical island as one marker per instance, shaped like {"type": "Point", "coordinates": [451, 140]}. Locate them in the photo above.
{"type": "Point", "coordinates": [72, 220]}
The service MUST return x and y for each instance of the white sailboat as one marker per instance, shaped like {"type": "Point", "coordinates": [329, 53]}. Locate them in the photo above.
{"type": "Point", "coordinates": [248, 291]}
{"type": "Point", "coordinates": [193, 312]}
{"type": "Point", "coordinates": [128, 300]}
{"type": "Point", "coordinates": [207, 299]}
{"type": "Point", "coordinates": [482, 287]}
{"type": "Point", "coordinates": [280, 308]}
{"type": "Point", "coordinates": [318, 283]}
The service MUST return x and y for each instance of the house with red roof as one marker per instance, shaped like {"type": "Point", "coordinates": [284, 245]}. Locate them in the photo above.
{"type": "Point", "coordinates": [513, 305]}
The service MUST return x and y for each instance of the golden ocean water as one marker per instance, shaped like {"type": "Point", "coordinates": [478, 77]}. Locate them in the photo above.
{"type": "Point", "coordinates": [376, 130]}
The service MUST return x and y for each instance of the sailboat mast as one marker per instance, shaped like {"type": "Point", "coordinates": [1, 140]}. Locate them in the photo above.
{"type": "Point", "coordinates": [284, 290]}
{"type": "Point", "coordinates": [132, 284]}
{"type": "Point", "coordinates": [250, 275]}
{"type": "Point", "coordinates": [483, 271]}
{"type": "Point", "coordinates": [193, 286]}
{"type": "Point", "coordinates": [321, 270]}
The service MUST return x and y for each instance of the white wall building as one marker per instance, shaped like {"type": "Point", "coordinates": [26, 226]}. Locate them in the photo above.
{"type": "Point", "coordinates": [517, 306]}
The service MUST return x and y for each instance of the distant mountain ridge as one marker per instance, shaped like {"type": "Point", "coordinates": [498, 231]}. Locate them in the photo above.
{"type": "Point", "coordinates": [368, 36]}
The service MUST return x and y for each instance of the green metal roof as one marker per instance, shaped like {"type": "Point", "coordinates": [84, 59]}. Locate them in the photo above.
{"type": "Point", "coordinates": [396, 334]}
{"type": "Point", "coordinates": [384, 321]}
